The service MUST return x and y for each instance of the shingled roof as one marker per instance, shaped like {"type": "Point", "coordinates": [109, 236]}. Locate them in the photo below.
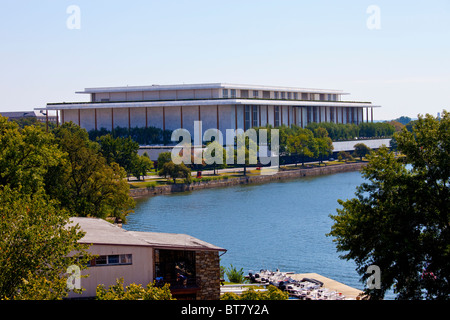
{"type": "Point", "coordinates": [99, 231]}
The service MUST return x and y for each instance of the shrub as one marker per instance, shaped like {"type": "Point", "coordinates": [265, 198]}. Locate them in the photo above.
{"type": "Point", "coordinates": [272, 293]}
{"type": "Point", "coordinates": [133, 292]}
{"type": "Point", "coordinates": [235, 275]}
{"type": "Point", "coordinates": [344, 155]}
{"type": "Point", "coordinates": [175, 171]}
{"type": "Point", "coordinates": [150, 184]}
{"type": "Point", "coordinates": [229, 296]}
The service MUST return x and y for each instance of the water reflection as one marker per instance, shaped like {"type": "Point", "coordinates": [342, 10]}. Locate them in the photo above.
{"type": "Point", "coordinates": [273, 225]}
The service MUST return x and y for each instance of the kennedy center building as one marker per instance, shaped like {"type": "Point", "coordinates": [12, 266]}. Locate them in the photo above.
{"type": "Point", "coordinates": [217, 105]}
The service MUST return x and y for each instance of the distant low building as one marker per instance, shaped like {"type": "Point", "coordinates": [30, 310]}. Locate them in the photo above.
{"type": "Point", "coordinates": [144, 257]}
{"type": "Point", "coordinates": [38, 115]}
{"type": "Point", "coordinates": [18, 114]}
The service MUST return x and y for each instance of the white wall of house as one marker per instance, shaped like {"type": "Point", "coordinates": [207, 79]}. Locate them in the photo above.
{"type": "Point", "coordinates": [139, 272]}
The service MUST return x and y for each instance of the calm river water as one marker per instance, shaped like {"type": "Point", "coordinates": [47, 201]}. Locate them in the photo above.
{"type": "Point", "coordinates": [274, 225]}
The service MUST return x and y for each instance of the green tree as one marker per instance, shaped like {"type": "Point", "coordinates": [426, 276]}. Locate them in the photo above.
{"type": "Point", "coordinates": [37, 245]}
{"type": "Point", "coordinates": [163, 158]}
{"type": "Point", "coordinates": [344, 155]}
{"type": "Point", "coordinates": [399, 219]}
{"type": "Point", "coordinates": [403, 120]}
{"type": "Point", "coordinates": [235, 275]}
{"type": "Point", "coordinates": [26, 154]}
{"type": "Point", "coordinates": [324, 143]}
{"type": "Point", "coordinates": [86, 185]}
{"type": "Point", "coordinates": [361, 150]}
{"type": "Point", "coordinates": [121, 150]}
{"type": "Point", "coordinates": [246, 150]}
{"type": "Point", "coordinates": [302, 144]}
{"type": "Point", "coordinates": [397, 125]}
{"type": "Point", "coordinates": [141, 165]}
{"type": "Point", "coordinates": [215, 155]}
{"type": "Point", "coordinates": [175, 171]}
{"type": "Point", "coordinates": [133, 292]}
{"type": "Point", "coordinates": [143, 136]}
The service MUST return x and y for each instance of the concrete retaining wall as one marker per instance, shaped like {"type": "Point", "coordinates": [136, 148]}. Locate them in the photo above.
{"type": "Point", "coordinates": [288, 174]}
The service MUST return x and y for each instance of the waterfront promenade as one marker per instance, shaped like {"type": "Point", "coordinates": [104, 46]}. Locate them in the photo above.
{"type": "Point", "coordinates": [291, 173]}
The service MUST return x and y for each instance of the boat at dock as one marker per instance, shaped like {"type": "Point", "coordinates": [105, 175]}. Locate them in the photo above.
{"type": "Point", "coordinates": [304, 289]}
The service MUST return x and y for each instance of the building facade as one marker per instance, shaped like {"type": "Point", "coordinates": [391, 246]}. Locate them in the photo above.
{"type": "Point", "coordinates": [217, 105]}
{"type": "Point", "coordinates": [145, 257]}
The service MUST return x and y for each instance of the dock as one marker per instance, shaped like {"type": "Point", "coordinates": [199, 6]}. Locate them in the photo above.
{"type": "Point", "coordinates": [339, 290]}
{"type": "Point", "coordinates": [350, 293]}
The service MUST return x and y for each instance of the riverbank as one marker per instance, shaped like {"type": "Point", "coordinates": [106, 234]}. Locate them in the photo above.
{"type": "Point", "coordinates": [291, 173]}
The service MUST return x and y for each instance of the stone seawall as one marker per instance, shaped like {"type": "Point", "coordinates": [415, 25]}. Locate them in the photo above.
{"type": "Point", "coordinates": [288, 174]}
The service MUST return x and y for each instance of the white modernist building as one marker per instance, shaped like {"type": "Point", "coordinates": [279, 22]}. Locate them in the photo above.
{"type": "Point", "coordinates": [217, 105]}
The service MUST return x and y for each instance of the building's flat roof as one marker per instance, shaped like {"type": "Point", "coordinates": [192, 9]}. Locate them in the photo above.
{"type": "Point", "coordinates": [18, 114]}
{"type": "Point", "coordinates": [157, 87]}
{"type": "Point", "coordinates": [203, 102]}
{"type": "Point", "coordinates": [101, 232]}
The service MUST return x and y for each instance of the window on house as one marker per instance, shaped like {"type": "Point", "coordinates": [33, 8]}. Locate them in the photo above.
{"type": "Point", "coordinates": [276, 95]}
{"type": "Point", "coordinates": [283, 95]}
{"type": "Point", "coordinates": [255, 94]}
{"type": "Point", "coordinates": [244, 93]}
{"type": "Point", "coordinates": [233, 93]}
{"type": "Point", "coordinates": [225, 93]}
{"type": "Point", "coordinates": [322, 97]}
{"type": "Point", "coordinates": [266, 94]}
{"type": "Point", "coordinates": [289, 95]}
{"type": "Point", "coordinates": [125, 259]}
{"type": "Point", "coordinates": [169, 263]}
{"type": "Point", "coordinates": [295, 95]}
{"type": "Point", "coordinates": [113, 259]}
{"type": "Point", "coordinates": [304, 96]}
{"type": "Point", "coordinates": [101, 260]}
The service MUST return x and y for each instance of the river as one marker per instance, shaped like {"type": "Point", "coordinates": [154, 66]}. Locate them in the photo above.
{"type": "Point", "coordinates": [279, 224]}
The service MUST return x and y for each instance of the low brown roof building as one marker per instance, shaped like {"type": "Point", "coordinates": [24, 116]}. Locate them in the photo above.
{"type": "Point", "coordinates": [145, 257]}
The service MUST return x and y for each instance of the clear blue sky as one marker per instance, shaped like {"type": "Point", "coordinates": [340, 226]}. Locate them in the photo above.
{"type": "Point", "coordinates": [404, 66]}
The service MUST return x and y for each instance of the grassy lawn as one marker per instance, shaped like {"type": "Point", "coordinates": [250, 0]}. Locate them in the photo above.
{"type": "Point", "coordinates": [148, 183]}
